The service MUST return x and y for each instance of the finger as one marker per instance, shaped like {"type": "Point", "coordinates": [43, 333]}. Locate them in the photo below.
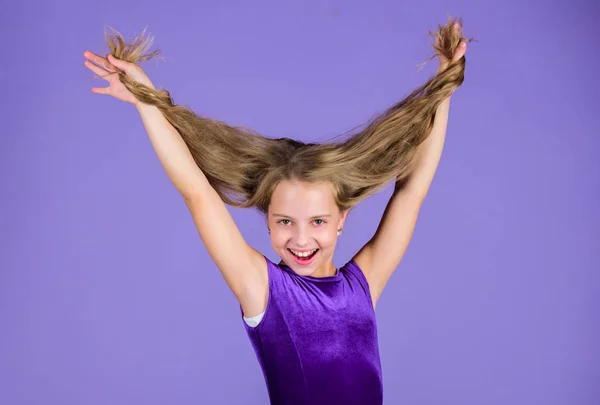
{"type": "Point", "coordinates": [101, 90]}
{"type": "Point", "coordinates": [124, 66]}
{"type": "Point", "coordinates": [97, 70]}
{"type": "Point", "coordinates": [98, 60]}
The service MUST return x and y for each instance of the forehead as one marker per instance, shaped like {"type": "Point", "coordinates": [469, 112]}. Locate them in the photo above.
{"type": "Point", "coordinates": [302, 198]}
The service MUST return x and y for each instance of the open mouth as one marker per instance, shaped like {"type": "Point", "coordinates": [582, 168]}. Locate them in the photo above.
{"type": "Point", "coordinates": [303, 257]}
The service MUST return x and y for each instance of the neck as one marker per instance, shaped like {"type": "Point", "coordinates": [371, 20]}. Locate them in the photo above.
{"type": "Point", "coordinates": [328, 270]}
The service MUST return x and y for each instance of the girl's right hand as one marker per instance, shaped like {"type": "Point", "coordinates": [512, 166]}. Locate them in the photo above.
{"type": "Point", "coordinates": [107, 69]}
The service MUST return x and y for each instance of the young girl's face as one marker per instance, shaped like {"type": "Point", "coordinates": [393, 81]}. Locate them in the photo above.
{"type": "Point", "coordinates": [304, 220]}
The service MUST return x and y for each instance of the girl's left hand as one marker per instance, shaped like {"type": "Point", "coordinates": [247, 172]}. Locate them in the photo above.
{"type": "Point", "coordinates": [460, 52]}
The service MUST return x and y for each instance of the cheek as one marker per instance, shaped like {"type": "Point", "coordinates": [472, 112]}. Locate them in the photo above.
{"type": "Point", "coordinates": [279, 239]}
{"type": "Point", "coordinates": [327, 238]}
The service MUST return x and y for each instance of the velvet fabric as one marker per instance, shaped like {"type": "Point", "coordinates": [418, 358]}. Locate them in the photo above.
{"type": "Point", "coordinates": [317, 342]}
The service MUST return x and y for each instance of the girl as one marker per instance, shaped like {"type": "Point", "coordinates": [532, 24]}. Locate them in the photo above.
{"type": "Point", "coordinates": [312, 325]}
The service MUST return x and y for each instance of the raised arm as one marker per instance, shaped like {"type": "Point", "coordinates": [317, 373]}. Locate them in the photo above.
{"type": "Point", "coordinates": [243, 268]}
{"type": "Point", "coordinates": [240, 264]}
{"type": "Point", "coordinates": [382, 254]}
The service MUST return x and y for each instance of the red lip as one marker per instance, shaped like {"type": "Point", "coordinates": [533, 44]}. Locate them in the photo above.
{"type": "Point", "coordinates": [304, 262]}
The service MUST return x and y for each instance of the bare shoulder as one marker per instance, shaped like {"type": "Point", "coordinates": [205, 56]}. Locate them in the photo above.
{"type": "Point", "coordinates": [253, 293]}
{"type": "Point", "coordinates": [364, 260]}
{"type": "Point", "coordinates": [243, 267]}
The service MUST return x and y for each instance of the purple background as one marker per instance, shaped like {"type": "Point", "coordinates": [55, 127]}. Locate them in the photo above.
{"type": "Point", "coordinates": [107, 295]}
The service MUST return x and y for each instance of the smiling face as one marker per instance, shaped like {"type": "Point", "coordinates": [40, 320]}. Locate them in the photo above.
{"type": "Point", "coordinates": [304, 220]}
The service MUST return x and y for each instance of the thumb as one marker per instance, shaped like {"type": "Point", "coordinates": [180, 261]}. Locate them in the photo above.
{"type": "Point", "coordinates": [124, 66]}
{"type": "Point", "coordinates": [460, 51]}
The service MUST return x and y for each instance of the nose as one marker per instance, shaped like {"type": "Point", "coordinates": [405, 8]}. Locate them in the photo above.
{"type": "Point", "coordinates": [302, 236]}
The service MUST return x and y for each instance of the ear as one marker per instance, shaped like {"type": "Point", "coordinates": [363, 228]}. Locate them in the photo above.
{"type": "Point", "coordinates": [343, 216]}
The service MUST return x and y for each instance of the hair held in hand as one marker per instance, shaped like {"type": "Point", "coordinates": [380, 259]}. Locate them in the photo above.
{"type": "Point", "coordinates": [244, 167]}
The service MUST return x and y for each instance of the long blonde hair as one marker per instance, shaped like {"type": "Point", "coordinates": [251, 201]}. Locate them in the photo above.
{"type": "Point", "coordinates": [244, 167]}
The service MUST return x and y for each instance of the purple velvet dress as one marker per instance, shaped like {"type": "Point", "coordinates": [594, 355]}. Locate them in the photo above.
{"type": "Point", "coordinates": [317, 342]}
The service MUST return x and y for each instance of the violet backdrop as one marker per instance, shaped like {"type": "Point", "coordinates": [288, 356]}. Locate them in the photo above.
{"type": "Point", "coordinates": [107, 295]}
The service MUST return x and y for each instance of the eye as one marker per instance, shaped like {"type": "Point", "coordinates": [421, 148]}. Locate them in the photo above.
{"type": "Point", "coordinates": [321, 223]}
{"type": "Point", "coordinates": [281, 221]}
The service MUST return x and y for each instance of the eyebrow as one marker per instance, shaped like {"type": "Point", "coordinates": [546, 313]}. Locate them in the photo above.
{"type": "Point", "coordinates": [316, 216]}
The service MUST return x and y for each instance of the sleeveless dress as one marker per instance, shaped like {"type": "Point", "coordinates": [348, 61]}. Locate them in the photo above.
{"type": "Point", "coordinates": [317, 340]}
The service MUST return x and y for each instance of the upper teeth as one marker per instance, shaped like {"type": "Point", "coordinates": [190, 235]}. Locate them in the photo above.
{"type": "Point", "coordinates": [303, 254]}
